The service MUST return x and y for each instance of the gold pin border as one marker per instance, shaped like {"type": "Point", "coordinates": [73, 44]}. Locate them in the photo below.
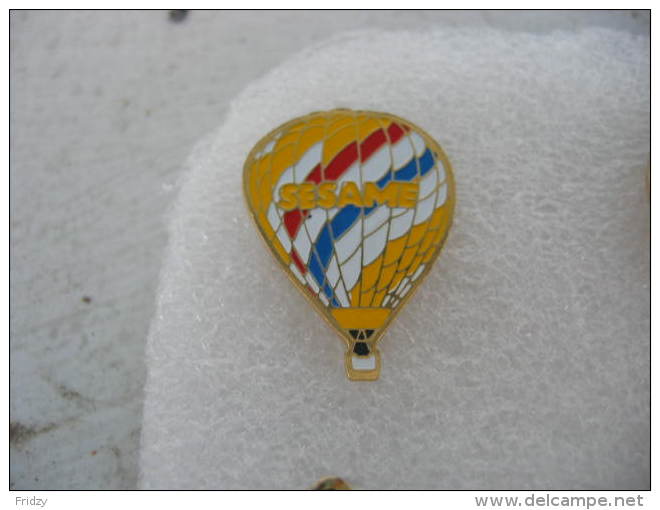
{"type": "Point", "coordinates": [324, 311]}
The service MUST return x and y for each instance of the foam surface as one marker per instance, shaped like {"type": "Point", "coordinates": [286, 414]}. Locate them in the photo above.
{"type": "Point", "coordinates": [522, 362]}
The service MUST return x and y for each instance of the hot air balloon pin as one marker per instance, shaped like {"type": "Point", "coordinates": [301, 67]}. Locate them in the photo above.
{"type": "Point", "coordinates": [355, 206]}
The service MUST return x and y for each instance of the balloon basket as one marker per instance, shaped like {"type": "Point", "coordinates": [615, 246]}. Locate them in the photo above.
{"type": "Point", "coordinates": [362, 362]}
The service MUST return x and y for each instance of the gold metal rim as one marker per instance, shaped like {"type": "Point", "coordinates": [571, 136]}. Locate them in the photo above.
{"type": "Point", "coordinates": [348, 341]}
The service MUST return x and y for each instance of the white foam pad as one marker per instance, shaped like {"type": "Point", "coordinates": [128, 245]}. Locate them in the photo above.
{"type": "Point", "coordinates": [523, 360]}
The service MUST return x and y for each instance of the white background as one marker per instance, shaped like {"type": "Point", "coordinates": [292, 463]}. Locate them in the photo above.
{"type": "Point", "coordinates": [105, 107]}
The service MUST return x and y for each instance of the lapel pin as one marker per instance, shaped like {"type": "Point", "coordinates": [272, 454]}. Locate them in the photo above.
{"type": "Point", "coordinates": [355, 206]}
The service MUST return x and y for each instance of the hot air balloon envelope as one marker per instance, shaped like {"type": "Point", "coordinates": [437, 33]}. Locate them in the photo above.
{"type": "Point", "coordinates": [356, 206]}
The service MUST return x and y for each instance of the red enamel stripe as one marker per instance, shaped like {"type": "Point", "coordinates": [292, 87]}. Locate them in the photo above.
{"type": "Point", "coordinates": [297, 261]}
{"type": "Point", "coordinates": [342, 161]}
{"type": "Point", "coordinates": [371, 144]}
{"type": "Point", "coordinates": [315, 175]}
{"type": "Point", "coordinates": [337, 167]}
{"type": "Point", "coordinates": [395, 132]}
{"type": "Point", "coordinates": [292, 221]}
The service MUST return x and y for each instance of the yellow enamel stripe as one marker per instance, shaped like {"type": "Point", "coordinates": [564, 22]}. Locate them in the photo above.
{"type": "Point", "coordinates": [281, 251]}
{"type": "Point", "coordinates": [261, 217]}
{"type": "Point", "coordinates": [270, 234]}
{"type": "Point", "coordinates": [344, 131]}
{"type": "Point", "coordinates": [315, 121]}
{"type": "Point", "coordinates": [400, 253]}
{"type": "Point", "coordinates": [394, 249]}
{"type": "Point", "coordinates": [286, 152]}
{"type": "Point", "coordinates": [257, 171]}
{"type": "Point", "coordinates": [366, 297]}
{"type": "Point", "coordinates": [398, 256]}
{"type": "Point", "coordinates": [337, 142]}
{"type": "Point", "coordinates": [435, 221]}
{"type": "Point", "coordinates": [413, 246]}
{"type": "Point", "coordinates": [288, 138]}
{"type": "Point", "coordinates": [426, 243]}
{"type": "Point", "coordinates": [355, 296]}
{"type": "Point", "coordinates": [415, 264]}
{"type": "Point", "coordinates": [368, 126]}
{"type": "Point", "coordinates": [416, 252]}
{"type": "Point", "coordinates": [266, 171]}
{"type": "Point", "coordinates": [371, 272]}
{"type": "Point", "coordinates": [378, 298]}
{"type": "Point", "coordinates": [285, 157]}
{"type": "Point", "coordinates": [292, 146]}
{"type": "Point", "coordinates": [437, 217]}
{"type": "Point", "coordinates": [441, 223]}
{"type": "Point", "coordinates": [407, 257]}
{"type": "Point", "coordinates": [361, 318]}
{"type": "Point", "coordinates": [436, 241]}
{"type": "Point", "coordinates": [423, 240]}
{"type": "Point", "coordinates": [415, 234]}
{"type": "Point", "coordinates": [396, 280]}
{"type": "Point", "coordinates": [401, 256]}
{"type": "Point", "coordinates": [340, 131]}
{"type": "Point", "coordinates": [280, 160]}
{"type": "Point", "coordinates": [338, 122]}
{"type": "Point", "coordinates": [263, 221]}
{"type": "Point", "coordinates": [386, 276]}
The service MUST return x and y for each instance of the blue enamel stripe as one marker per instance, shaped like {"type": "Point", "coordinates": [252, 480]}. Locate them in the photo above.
{"type": "Point", "coordinates": [318, 272]}
{"type": "Point", "coordinates": [343, 220]}
{"type": "Point", "coordinates": [347, 216]}
{"type": "Point", "coordinates": [408, 172]}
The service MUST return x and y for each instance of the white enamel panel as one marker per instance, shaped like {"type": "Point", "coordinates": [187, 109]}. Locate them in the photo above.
{"type": "Point", "coordinates": [402, 153]}
{"type": "Point", "coordinates": [374, 245]}
{"type": "Point", "coordinates": [440, 167]}
{"type": "Point", "coordinates": [349, 241]}
{"type": "Point", "coordinates": [442, 195]}
{"type": "Point", "coordinates": [273, 217]}
{"type": "Point", "coordinates": [419, 271]}
{"type": "Point", "coordinates": [314, 222]}
{"type": "Point", "coordinates": [312, 282]}
{"type": "Point", "coordinates": [340, 294]}
{"type": "Point", "coordinates": [308, 161]}
{"type": "Point", "coordinates": [302, 244]}
{"type": "Point", "coordinates": [351, 175]}
{"type": "Point", "coordinates": [401, 224]}
{"type": "Point", "coordinates": [296, 272]}
{"type": "Point", "coordinates": [363, 363]}
{"type": "Point", "coordinates": [402, 284]}
{"type": "Point", "coordinates": [377, 165]}
{"type": "Point", "coordinates": [377, 217]}
{"type": "Point", "coordinates": [418, 142]}
{"type": "Point", "coordinates": [332, 273]}
{"type": "Point", "coordinates": [285, 178]}
{"type": "Point", "coordinates": [351, 270]}
{"type": "Point", "coordinates": [284, 238]}
{"type": "Point", "coordinates": [425, 208]}
{"type": "Point", "coordinates": [427, 184]}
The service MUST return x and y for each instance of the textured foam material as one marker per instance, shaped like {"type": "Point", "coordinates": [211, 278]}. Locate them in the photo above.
{"type": "Point", "coordinates": [521, 363]}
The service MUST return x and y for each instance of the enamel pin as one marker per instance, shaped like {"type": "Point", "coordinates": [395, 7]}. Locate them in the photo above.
{"type": "Point", "coordinates": [356, 206]}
